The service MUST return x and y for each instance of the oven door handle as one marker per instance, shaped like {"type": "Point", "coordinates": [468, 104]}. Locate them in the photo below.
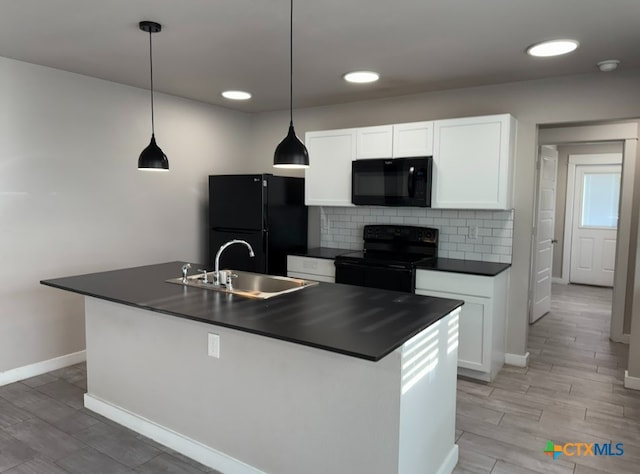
{"type": "Point", "coordinates": [338, 263]}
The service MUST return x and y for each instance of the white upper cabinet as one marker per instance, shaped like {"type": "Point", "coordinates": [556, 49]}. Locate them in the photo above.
{"type": "Point", "coordinates": [473, 162]}
{"type": "Point", "coordinates": [472, 159]}
{"type": "Point", "coordinates": [328, 178]}
{"type": "Point", "coordinates": [374, 142]}
{"type": "Point", "coordinates": [413, 139]}
{"type": "Point", "coordinates": [395, 141]}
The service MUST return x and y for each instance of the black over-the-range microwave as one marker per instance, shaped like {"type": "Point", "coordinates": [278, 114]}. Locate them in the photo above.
{"type": "Point", "coordinates": [392, 182]}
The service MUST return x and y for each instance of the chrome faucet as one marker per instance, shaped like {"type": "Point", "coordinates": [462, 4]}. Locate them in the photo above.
{"type": "Point", "coordinates": [216, 272]}
{"type": "Point", "coordinates": [185, 270]}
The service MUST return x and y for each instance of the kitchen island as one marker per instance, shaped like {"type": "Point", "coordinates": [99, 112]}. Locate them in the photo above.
{"type": "Point", "coordinates": [331, 378]}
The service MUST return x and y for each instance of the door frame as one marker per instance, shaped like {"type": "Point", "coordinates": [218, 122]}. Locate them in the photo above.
{"type": "Point", "coordinates": [627, 133]}
{"type": "Point", "coordinates": [574, 162]}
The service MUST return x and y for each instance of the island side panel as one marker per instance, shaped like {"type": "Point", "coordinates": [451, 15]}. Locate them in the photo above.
{"type": "Point", "coordinates": [428, 406]}
{"type": "Point", "coordinates": [276, 406]}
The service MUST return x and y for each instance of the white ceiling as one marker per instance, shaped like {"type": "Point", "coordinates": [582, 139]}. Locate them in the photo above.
{"type": "Point", "coordinates": [207, 46]}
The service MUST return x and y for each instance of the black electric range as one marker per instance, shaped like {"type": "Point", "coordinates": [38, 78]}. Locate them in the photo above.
{"type": "Point", "coordinates": [389, 258]}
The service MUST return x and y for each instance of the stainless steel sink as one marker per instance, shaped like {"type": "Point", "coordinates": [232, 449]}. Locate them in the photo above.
{"type": "Point", "coordinates": [251, 285]}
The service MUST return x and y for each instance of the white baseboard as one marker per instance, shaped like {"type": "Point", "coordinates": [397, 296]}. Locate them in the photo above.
{"type": "Point", "coordinates": [559, 280]}
{"type": "Point", "coordinates": [450, 461]}
{"type": "Point", "coordinates": [39, 368]}
{"type": "Point", "coordinates": [167, 437]}
{"type": "Point", "coordinates": [623, 338]}
{"type": "Point", "coordinates": [517, 359]}
{"type": "Point", "coordinates": [631, 382]}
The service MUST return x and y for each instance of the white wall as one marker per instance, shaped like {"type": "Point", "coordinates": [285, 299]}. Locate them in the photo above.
{"type": "Point", "coordinates": [589, 97]}
{"type": "Point", "coordinates": [72, 200]}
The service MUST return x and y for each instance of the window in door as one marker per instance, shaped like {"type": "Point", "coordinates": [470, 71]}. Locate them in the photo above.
{"type": "Point", "coordinates": [601, 195]}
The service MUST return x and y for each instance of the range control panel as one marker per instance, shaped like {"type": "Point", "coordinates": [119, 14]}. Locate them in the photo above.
{"type": "Point", "coordinates": [400, 234]}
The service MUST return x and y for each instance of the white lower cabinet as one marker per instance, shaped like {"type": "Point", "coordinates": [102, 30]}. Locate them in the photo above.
{"type": "Point", "coordinates": [481, 340]}
{"type": "Point", "coordinates": [311, 268]}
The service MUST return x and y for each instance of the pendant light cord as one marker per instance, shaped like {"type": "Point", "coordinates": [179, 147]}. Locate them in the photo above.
{"type": "Point", "coordinates": [151, 69]}
{"type": "Point", "coordinates": [291, 66]}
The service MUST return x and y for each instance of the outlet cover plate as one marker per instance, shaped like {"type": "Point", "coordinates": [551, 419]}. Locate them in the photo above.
{"type": "Point", "coordinates": [213, 345]}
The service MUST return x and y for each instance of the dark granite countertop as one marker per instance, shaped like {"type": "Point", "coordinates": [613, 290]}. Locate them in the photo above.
{"type": "Point", "coordinates": [351, 320]}
{"type": "Point", "coordinates": [322, 252]}
{"type": "Point", "coordinates": [471, 267]}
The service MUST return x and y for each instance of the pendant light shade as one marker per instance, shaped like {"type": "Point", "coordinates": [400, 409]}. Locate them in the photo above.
{"type": "Point", "coordinates": [291, 152]}
{"type": "Point", "coordinates": [152, 157]}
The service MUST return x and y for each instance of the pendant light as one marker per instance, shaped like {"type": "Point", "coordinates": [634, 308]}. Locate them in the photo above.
{"type": "Point", "coordinates": [291, 152]}
{"type": "Point", "coordinates": [152, 157]}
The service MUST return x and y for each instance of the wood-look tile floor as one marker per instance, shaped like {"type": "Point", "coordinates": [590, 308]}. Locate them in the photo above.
{"type": "Point", "coordinates": [44, 429]}
{"type": "Point", "coordinates": [572, 391]}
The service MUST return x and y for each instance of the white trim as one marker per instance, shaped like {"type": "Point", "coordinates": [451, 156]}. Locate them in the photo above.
{"type": "Point", "coordinates": [167, 437]}
{"type": "Point", "coordinates": [559, 281]}
{"type": "Point", "coordinates": [517, 359]}
{"type": "Point", "coordinates": [595, 159]}
{"type": "Point", "coordinates": [631, 382]}
{"type": "Point", "coordinates": [624, 269]}
{"type": "Point", "coordinates": [39, 368]}
{"type": "Point", "coordinates": [588, 133]}
{"type": "Point", "coordinates": [623, 338]}
{"type": "Point", "coordinates": [449, 463]}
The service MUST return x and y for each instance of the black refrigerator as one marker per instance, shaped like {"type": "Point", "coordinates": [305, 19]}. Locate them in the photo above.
{"type": "Point", "coordinates": [265, 210]}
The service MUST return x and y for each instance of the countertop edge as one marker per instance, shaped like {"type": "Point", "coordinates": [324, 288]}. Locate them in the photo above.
{"type": "Point", "coordinates": [358, 355]}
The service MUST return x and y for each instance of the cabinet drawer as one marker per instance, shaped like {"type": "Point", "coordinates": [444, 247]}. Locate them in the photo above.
{"type": "Point", "coordinates": [476, 285]}
{"type": "Point", "coordinates": [310, 276]}
{"type": "Point", "coordinates": [311, 266]}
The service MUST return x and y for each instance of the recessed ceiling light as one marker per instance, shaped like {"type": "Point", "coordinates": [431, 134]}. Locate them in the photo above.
{"type": "Point", "coordinates": [361, 77]}
{"type": "Point", "coordinates": [552, 48]}
{"type": "Point", "coordinates": [236, 95]}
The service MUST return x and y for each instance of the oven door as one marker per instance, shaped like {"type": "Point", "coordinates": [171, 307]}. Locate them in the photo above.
{"type": "Point", "coordinates": [386, 277]}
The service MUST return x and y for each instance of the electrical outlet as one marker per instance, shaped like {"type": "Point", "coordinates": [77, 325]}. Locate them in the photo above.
{"type": "Point", "coordinates": [324, 221]}
{"type": "Point", "coordinates": [473, 232]}
{"type": "Point", "coordinates": [213, 345]}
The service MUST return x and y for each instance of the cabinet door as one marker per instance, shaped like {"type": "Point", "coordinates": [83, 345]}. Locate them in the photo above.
{"type": "Point", "coordinates": [472, 160]}
{"type": "Point", "coordinates": [328, 178]}
{"type": "Point", "coordinates": [374, 142]}
{"type": "Point", "coordinates": [474, 351]}
{"type": "Point", "coordinates": [413, 139]}
{"type": "Point", "coordinates": [474, 330]}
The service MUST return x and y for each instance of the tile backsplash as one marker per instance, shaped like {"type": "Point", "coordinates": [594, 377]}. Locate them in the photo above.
{"type": "Point", "coordinates": [464, 234]}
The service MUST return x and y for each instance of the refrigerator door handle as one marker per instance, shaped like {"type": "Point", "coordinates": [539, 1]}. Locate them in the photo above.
{"type": "Point", "coordinates": [236, 231]}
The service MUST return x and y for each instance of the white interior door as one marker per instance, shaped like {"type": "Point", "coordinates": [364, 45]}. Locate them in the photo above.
{"type": "Point", "coordinates": [544, 233]}
{"type": "Point", "coordinates": [595, 224]}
